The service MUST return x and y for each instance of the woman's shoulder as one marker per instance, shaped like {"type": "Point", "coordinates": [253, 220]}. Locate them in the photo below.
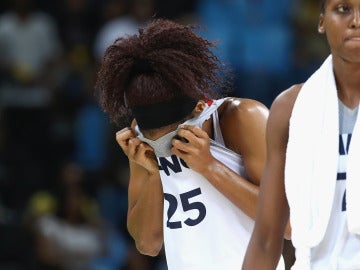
{"type": "Point", "coordinates": [241, 108]}
{"type": "Point", "coordinates": [241, 116]}
{"type": "Point", "coordinates": [284, 102]}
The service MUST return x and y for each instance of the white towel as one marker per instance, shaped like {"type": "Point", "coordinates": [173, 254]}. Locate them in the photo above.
{"type": "Point", "coordinates": [311, 164]}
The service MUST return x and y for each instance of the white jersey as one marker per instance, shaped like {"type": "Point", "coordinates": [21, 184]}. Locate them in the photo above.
{"type": "Point", "coordinates": [339, 250]}
{"type": "Point", "coordinates": [202, 228]}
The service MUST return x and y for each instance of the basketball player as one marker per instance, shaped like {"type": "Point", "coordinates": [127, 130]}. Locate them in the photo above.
{"type": "Point", "coordinates": [195, 161]}
{"type": "Point", "coordinates": [325, 236]}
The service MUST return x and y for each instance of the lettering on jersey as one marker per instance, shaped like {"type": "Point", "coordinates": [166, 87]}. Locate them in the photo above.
{"type": "Point", "coordinates": [173, 165]}
{"type": "Point", "coordinates": [344, 144]}
{"type": "Point", "coordinates": [343, 204]}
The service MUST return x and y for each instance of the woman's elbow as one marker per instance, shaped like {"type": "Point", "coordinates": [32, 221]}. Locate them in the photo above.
{"type": "Point", "coordinates": [147, 242]}
{"type": "Point", "coordinates": [287, 234]}
{"type": "Point", "coordinates": [150, 248]}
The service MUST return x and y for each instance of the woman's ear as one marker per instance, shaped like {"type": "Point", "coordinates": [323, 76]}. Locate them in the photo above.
{"type": "Point", "coordinates": [321, 27]}
{"type": "Point", "coordinates": [200, 106]}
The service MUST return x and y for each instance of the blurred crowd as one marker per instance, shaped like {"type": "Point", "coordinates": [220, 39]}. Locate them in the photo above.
{"type": "Point", "coordinates": [63, 179]}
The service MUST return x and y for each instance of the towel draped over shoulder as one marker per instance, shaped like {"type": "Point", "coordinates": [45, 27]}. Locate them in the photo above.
{"type": "Point", "coordinates": [311, 164]}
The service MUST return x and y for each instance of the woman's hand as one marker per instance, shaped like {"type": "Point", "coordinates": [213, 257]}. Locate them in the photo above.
{"type": "Point", "coordinates": [136, 150]}
{"type": "Point", "coordinates": [195, 149]}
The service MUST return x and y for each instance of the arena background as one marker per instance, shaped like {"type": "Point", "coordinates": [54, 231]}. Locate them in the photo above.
{"type": "Point", "coordinates": [63, 178]}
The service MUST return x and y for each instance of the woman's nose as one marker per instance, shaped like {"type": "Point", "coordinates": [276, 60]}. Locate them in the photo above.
{"type": "Point", "coordinates": [355, 20]}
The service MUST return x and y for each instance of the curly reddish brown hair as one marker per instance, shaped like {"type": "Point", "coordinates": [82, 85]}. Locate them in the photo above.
{"type": "Point", "coordinates": [164, 61]}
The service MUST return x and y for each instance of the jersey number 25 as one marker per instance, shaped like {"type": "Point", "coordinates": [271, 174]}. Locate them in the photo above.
{"type": "Point", "coordinates": [186, 206]}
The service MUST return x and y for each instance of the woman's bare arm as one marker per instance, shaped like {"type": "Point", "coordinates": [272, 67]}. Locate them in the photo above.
{"type": "Point", "coordinates": [272, 216]}
{"type": "Point", "coordinates": [145, 206]}
{"type": "Point", "coordinates": [243, 124]}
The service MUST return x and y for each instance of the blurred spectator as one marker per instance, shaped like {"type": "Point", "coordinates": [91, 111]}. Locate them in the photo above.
{"type": "Point", "coordinates": [80, 128]}
{"type": "Point", "coordinates": [69, 233]}
{"type": "Point", "coordinates": [30, 51]}
{"type": "Point", "coordinates": [112, 200]}
{"type": "Point", "coordinates": [91, 140]}
{"type": "Point", "coordinates": [30, 46]}
{"type": "Point", "coordinates": [112, 197]}
{"type": "Point", "coordinates": [72, 94]}
{"type": "Point", "coordinates": [78, 22]}
{"type": "Point", "coordinates": [91, 137]}
{"type": "Point", "coordinates": [117, 21]}
{"type": "Point", "coordinates": [121, 17]}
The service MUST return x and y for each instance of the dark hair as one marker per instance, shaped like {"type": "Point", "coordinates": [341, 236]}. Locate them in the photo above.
{"type": "Point", "coordinates": [164, 61]}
